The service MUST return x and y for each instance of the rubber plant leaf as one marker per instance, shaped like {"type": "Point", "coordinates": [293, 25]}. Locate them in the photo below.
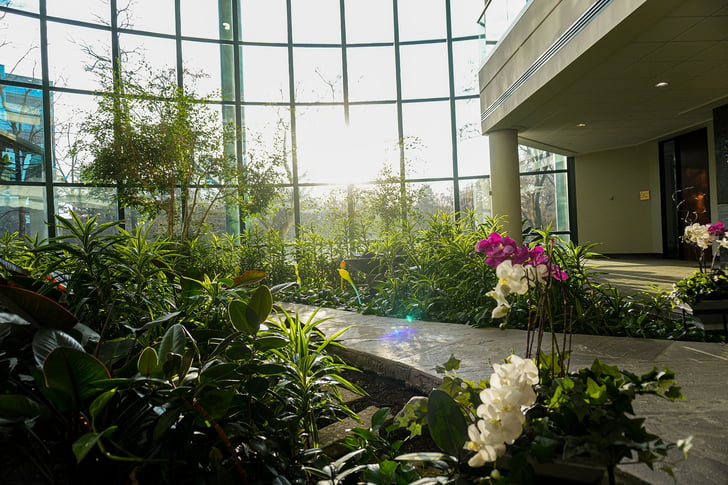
{"type": "Point", "coordinates": [15, 405]}
{"type": "Point", "coordinates": [446, 422]}
{"type": "Point", "coordinates": [242, 317]}
{"type": "Point", "coordinates": [46, 340]}
{"type": "Point", "coordinates": [39, 310]}
{"type": "Point", "coordinates": [247, 317]}
{"type": "Point", "coordinates": [261, 302]}
{"type": "Point", "coordinates": [173, 342]}
{"type": "Point", "coordinates": [147, 361]}
{"type": "Point", "coordinates": [248, 278]}
{"type": "Point", "coordinates": [73, 374]}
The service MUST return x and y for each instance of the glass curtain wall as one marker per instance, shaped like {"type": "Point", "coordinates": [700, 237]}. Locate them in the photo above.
{"type": "Point", "coordinates": [351, 95]}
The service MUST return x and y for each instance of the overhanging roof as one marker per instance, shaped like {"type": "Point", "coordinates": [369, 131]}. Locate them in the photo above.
{"type": "Point", "coordinates": [611, 89]}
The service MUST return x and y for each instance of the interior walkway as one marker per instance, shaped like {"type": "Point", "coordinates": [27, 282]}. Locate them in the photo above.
{"type": "Point", "coordinates": [641, 274]}
{"type": "Point", "coordinates": [410, 351]}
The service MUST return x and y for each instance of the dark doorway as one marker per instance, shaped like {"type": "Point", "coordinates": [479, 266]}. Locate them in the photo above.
{"type": "Point", "coordinates": [685, 189]}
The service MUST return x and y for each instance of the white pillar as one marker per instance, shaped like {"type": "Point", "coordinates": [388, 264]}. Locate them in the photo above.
{"type": "Point", "coordinates": [505, 180]}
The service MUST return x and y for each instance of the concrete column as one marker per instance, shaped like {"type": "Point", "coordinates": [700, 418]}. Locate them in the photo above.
{"type": "Point", "coordinates": [505, 180]}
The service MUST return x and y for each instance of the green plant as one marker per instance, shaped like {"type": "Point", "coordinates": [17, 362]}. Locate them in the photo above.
{"type": "Point", "coordinates": [586, 414]}
{"type": "Point", "coordinates": [212, 392]}
{"type": "Point", "coordinates": [169, 154]}
{"type": "Point", "coordinates": [309, 375]}
{"type": "Point", "coordinates": [589, 413]}
{"type": "Point", "coordinates": [700, 286]}
{"type": "Point", "coordinates": [432, 273]}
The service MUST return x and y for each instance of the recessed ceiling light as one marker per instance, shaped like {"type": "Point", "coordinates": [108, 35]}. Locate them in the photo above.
{"type": "Point", "coordinates": [581, 125]}
{"type": "Point", "coordinates": [662, 84]}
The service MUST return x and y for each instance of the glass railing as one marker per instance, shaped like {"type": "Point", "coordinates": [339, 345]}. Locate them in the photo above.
{"type": "Point", "coordinates": [497, 18]}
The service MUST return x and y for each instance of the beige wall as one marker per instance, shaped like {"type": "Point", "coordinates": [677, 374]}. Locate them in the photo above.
{"type": "Point", "coordinates": [609, 209]}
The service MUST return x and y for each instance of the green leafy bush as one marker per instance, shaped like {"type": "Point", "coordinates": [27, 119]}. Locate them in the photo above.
{"type": "Point", "coordinates": [116, 367]}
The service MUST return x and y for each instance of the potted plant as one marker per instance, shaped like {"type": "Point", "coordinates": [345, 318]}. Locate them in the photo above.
{"type": "Point", "coordinates": [705, 292]}
{"type": "Point", "coordinates": [534, 420]}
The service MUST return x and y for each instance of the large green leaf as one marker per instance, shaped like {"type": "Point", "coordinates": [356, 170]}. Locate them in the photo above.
{"type": "Point", "coordinates": [85, 443]}
{"type": "Point", "coordinates": [249, 277]}
{"type": "Point", "coordinates": [147, 361]}
{"type": "Point", "coordinates": [72, 374]}
{"type": "Point", "coordinates": [191, 287]}
{"type": "Point", "coordinates": [243, 318]}
{"type": "Point", "coordinates": [14, 405]}
{"type": "Point", "coordinates": [269, 343]}
{"type": "Point", "coordinates": [216, 402]}
{"type": "Point", "coordinates": [12, 319]}
{"type": "Point", "coordinates": [47, 340]}
{"type": "Point", "coordinates": [446, 422]}
{"type": "Point", "coordinates": [36, 308]}
{"type": "Point", "coordinates": [5, 329]}
{"type": "Point", "coordinates": [173, 342]}
{"type": "Point", "coordinates": [261, 302]}
{"type": "Point", "coordinates": [99, 403]}
{"type": "Point", "coordinates": [165, 421]}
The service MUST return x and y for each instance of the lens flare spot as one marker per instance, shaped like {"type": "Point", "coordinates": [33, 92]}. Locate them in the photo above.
{"type": "Point", "coordinates": [398, 335]}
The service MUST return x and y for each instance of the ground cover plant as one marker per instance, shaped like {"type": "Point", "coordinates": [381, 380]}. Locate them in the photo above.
{"type": "Point", "coordinates": [430, 270]}
{"type": "Point", "coordinates": [117, 366]}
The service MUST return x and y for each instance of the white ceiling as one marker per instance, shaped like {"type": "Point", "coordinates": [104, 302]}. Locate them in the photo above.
{"type": "Point", "coordinates": [611, 88]}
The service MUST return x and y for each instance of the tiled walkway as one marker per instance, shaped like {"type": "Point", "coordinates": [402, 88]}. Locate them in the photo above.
{"type": "Point", "coordinates": [411, 350]}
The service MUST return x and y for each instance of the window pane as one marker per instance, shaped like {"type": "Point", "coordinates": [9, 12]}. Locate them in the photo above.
{"type": "Point", "coordinates": [264, 21]}
{"type": "Point", "coordinates": [431, 197]}
{"type": "Point", "coordinates": [323, 146]}
{"type": "Point", "coordinates": [265, 74]}
{"type": "Point", "coordinates": [267, 133]}
{"type": "Point", "coordinates": [424, 71]}
{"type": "Point", "coordinates": [535, 160]}
{"type": "Point", "coordinates": [201, 61]}
{"type": "Point", "coordinates": [371, 73]}
{"type": "Point", "coordinates": [138, 51]}
{"type": "Point", "coordinates": [86, 202]}
{"type": "Point", "coordinates": [21, 134]}
{"type": "Point", "coordinates": [23, 210]}
{"type": "Point", "coordinates": [540, 204]}
{"type": "Point", "coordinates": [370, 21]}
{"type": "Point", "coordinates": [280, 216]}
{"type": "Point", "coordinates": [374, 140]}
{"type": "Point", "coordinates": [464, 15]}
{"type": "Point", "coordinates": [205, 20]}
{"type": "Point", "coordinates": [466, 64]}
{"type": "Point", "coordinates": [475, 196]}
{"type": "Point", "coordinates": [86, 10]}
{"type": "Point", "coordinates": [26, 5]}
{"type": "Point", "coordinates": [76, 54]}
{"type": "Point", "coordinates": [321, 206]}
{"type": "Point", "coordinates": [427, 141]}
{"type": "Point", "coordinates": [316, 21]}
{"type": "Point", "coordinates": [317, 72]}
{"type": "Point", "coordinates": [473, 151]}
{"type": "Point", "coordinates": [421, 19]}
{"type": "Point", "coordinates": [213, 214]}
{"type": "Point", "coordinates": [156, 16]}
{"type": "Point", "coordinates": [20, 43]}
{"type": "Point", "coordinates": [69, 113]}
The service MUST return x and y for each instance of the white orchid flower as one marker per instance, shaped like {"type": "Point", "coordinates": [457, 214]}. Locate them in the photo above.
{"type": "Point", "coordinates": [511, 278]}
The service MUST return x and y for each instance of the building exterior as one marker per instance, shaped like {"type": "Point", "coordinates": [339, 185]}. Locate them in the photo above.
{"type": "Point", "coordinates": [635, 93]}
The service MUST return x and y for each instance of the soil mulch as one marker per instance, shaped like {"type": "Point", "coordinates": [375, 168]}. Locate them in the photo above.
{"type": "Point", "coordinates": [393, 394]}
